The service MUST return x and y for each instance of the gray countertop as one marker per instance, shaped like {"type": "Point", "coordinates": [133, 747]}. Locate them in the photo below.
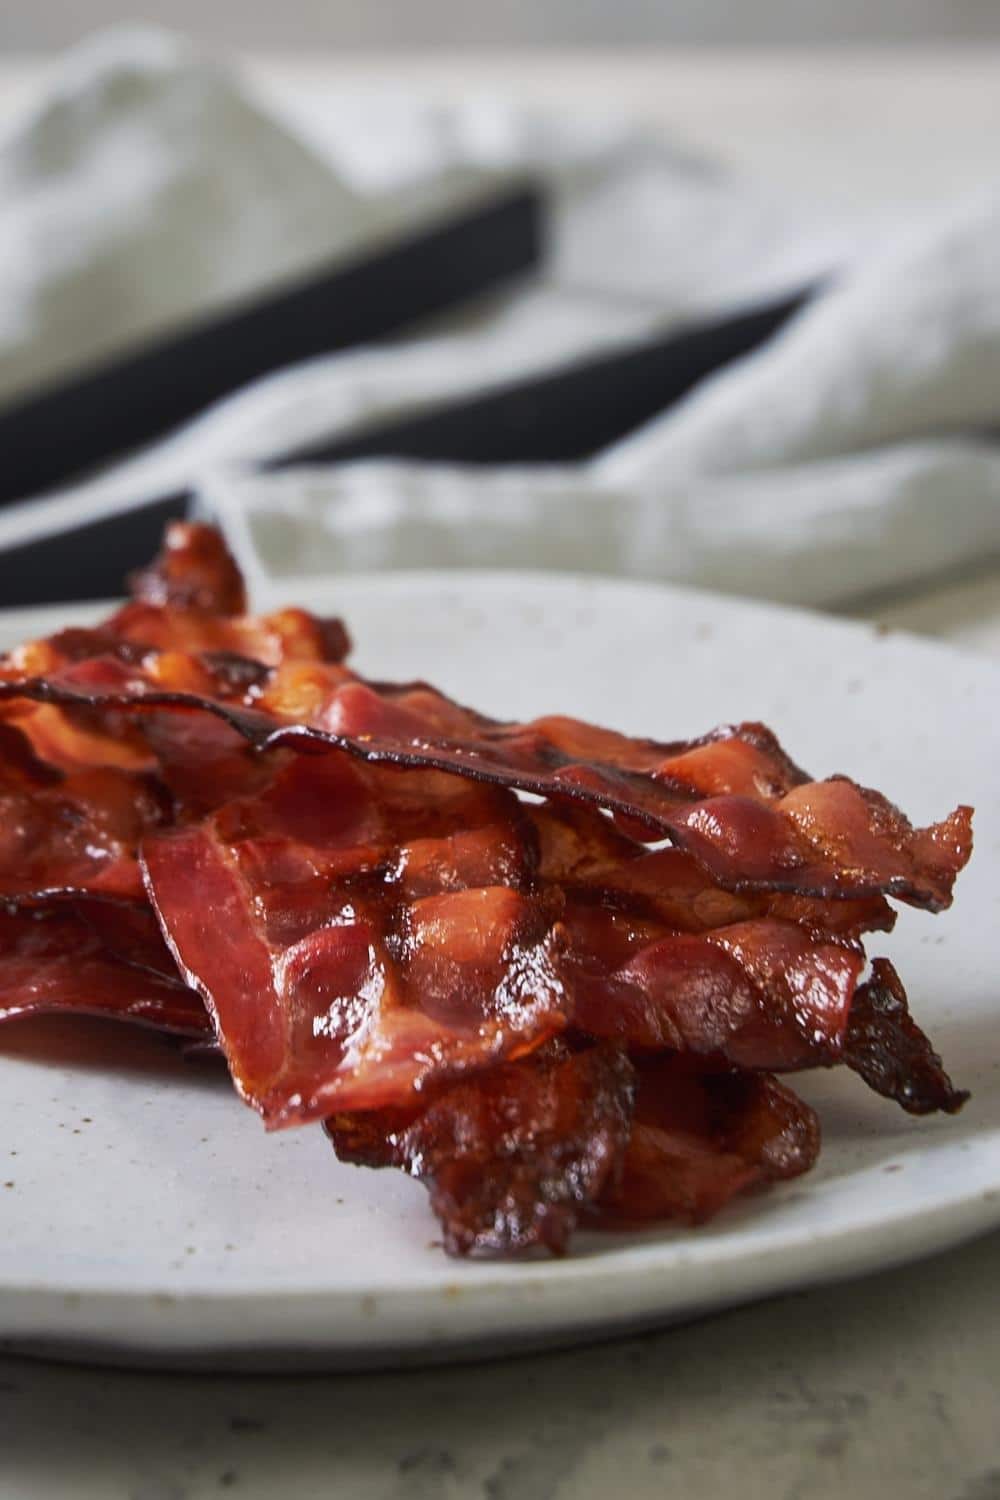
{"type": "Point", "coordinates": [882, 1387]}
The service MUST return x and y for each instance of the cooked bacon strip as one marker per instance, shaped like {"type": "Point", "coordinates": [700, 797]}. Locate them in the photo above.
{"type": "Point", "coordinates": [513, 1157]}
{"type": "Point", "coordinates": [359, 932]}
{"type": "Point", "coordinates": [234, 649]}
{"type": "Point", "coordinates": [886, 1047]}
{"type": "Point", "coordinates": [329, 1021]}
{"type": "Point", "coordinates": [581, 850]}
{"type": "Point", "coordinates": [191, 599]}
{"type": "Point", "coordinates": [129, 933]}
{"type": "Point", "coordinates": [216, 656]}
{"type": "Point", "coordinates": [75, 829]}
{"type": "Point", "coordinates": [62, 833]}
{"type": "Point", "coordinates": [181, 631]}
{"type": "Point", "coordinates": [201, 652]}
{"type": "Point", "coordinates": [21, 768]}
{"type": "Point", "coordinates": [699, 1139]}
{"type": "Point", "coordinates": [731, 800]}
{"type": "Point", "coordinates": [80, 785]}
{"type": "Point", "coordinates": [55, 962]}
{"type": "Point", "coordinates": [343, 969]}
{"type": "Point", "coordinates": [761, 994]}
{"type": "Point", "coordinates": [78, 830]}
{"type": "Point", "coordinates": [193, 570]}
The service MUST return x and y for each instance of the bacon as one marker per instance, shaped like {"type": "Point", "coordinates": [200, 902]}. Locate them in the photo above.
{"type": "Point", "coordinates": [358, 933]}
{"type": "Point", "coordinates": [82, 783]}
{"type": "Point", "coordinates": [62, 833]}
{"type": "Point", "coordinates": [132, 934]}
{"type": "Point", "coordinates": [514, 1157]}
{"type": "Point", "coordinates": [700, 1139]}
{"type": "Point", "coordinates": [732, 799]}
{"type": "Point", "coordinates": [75, 829]}
{"type": "Point", "coordinates": [759, 994]}
{"type": "Point", "coordinates": [581, 850]}
{"type": "Point", "coordinates": [179, 633]}
{"type": "Point", "coordinates": [54, 961]}
{"type": "Point", "coordinates": [184, 649]}
{"type": "Point", "coordinates": [342, 964]}
{"type": "Point", "coordinates": [192, 598]}
{"type": "Point", "coordinates": [446, 935]}
{"type": "Point", "coordinates": [818, 840]}
{"type": "Point", "coordinates": [332, 991]}
{"type": "Point", "coordinates": [194, 570]}
{"type": "Point", "coordinates": [886, 1047]}
{"type": "Point", "coordinates": [235, 650]}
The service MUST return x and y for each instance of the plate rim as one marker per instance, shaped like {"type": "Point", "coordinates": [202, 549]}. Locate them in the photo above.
{"type": "Point", "coordinates": [963, 1215]}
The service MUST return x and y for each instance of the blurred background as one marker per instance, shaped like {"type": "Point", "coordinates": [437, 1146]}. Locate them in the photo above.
{"type": "Point", "coordinates": [430, 23]}
{"type": "Point", "coordinates": [697, 292]}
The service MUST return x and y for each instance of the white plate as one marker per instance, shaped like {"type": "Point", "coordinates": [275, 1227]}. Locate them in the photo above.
{"type": "Point", "coordinates": [148, 1217]}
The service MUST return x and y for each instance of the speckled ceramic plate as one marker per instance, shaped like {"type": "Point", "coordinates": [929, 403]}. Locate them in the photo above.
{"type": "Point", "coordinates": [146, 1216]}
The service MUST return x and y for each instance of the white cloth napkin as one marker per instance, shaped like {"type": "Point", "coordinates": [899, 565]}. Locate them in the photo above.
{"type": "Point", "coordinates": [851, 453]}
{"type": "Point", "coordinates": [144, 190]}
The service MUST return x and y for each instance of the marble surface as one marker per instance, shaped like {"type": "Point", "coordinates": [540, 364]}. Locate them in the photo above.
{"type": "Point", "coordinates": [885, 1386]}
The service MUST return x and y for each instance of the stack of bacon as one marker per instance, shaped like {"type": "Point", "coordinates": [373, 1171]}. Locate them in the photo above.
{"type": "Point", "coordinates": [548, 970]}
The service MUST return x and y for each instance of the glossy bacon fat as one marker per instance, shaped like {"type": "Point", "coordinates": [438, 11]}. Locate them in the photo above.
{"type": "Point", "coordinates": [560, 1010]}
{"type": "Point", "coordinates": [732, 799]}
{"type": "Point", "coordinates": [57, 961]}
